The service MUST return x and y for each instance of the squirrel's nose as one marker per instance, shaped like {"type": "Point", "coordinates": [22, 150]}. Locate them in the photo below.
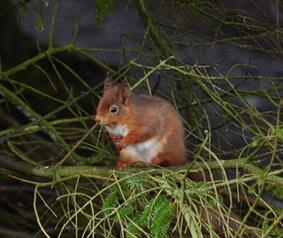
{"type": "Point", "coordinates": [98, 119]}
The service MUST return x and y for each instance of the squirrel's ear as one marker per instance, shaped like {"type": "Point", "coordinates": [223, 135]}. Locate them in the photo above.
{"type": "Point", "coordinates": [125, 91]}
{"type": "Point", "coordinates": [107, 83]}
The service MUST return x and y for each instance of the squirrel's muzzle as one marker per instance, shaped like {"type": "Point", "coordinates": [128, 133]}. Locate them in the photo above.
{"type": "Point", "coordinates": [98, 119]}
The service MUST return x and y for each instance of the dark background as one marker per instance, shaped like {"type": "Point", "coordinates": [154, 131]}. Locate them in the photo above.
{"type": "Point", "coordinates": [212, 34]}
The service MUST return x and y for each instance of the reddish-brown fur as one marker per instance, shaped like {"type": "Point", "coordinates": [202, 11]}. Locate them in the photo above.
{"type": "Point", "coordinates": [149, 117]}
{"type": "Point", "coordinates": [146, 117]}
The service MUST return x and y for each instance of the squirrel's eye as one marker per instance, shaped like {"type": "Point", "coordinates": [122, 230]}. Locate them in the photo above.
{"type": "Point", "coordinates": [113, 109]}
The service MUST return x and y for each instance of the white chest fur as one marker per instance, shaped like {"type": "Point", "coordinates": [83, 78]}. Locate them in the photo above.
{"type": "Point", "coordinates": [143, 151]}
{"type": "Point", "coordinates": [118, 130]}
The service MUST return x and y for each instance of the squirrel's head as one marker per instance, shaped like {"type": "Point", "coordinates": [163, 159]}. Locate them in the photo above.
{"type": "Point", "coordinates": [113, 106]}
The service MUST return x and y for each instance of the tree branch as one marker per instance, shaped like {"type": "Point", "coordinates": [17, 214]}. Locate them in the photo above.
{"type": "Point", "coordinates": [106, 172]}
{"type": "Point", "coordinates": [52, 171]}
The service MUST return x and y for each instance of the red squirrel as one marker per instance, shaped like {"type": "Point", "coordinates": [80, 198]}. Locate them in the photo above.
{"type": "Point", "coordinates": [146, 129]}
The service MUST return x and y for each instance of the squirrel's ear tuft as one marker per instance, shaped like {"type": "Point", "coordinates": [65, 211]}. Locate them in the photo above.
{"type": "Point", "coordinates": [107, 83]}
{"type": "Point", "coordinates": [125, 92]}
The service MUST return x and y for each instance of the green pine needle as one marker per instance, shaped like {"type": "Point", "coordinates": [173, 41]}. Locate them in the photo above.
{"type": "Point", "coordinates": [103, 9]}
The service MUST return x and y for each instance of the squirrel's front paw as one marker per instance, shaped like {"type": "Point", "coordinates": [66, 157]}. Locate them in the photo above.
{"type": "Point", "coordinates": [115, 138]}
{"type": "Point", "coordinates": [121, 145]}
{"type": "Point", "coordinates": [121, 164]}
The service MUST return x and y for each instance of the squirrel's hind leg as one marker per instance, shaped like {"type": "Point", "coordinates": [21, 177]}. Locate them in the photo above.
{"type": "Point", "coordinates": [159, 159]}
{"type": "Point", "coordinates": [168, 159]}
{"type": "Point", "coordinates": [125, 161]}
